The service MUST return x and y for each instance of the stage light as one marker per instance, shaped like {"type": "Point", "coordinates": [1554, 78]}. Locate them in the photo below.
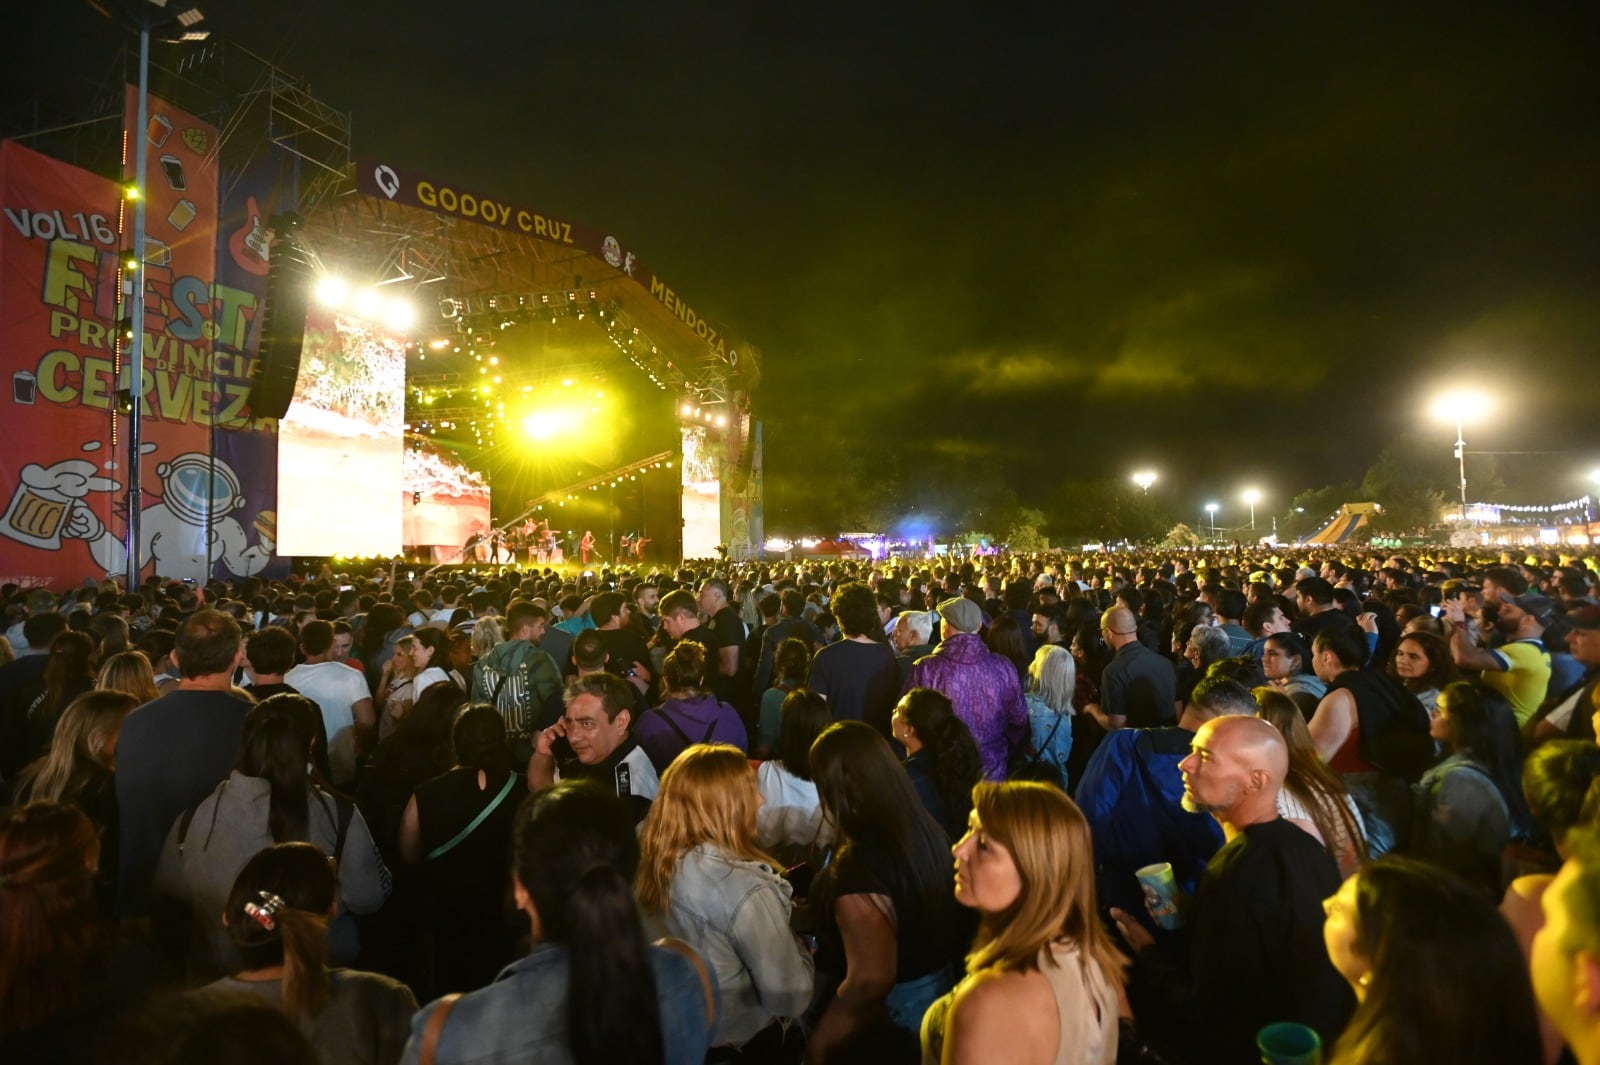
{"type": "Point", "coordinates": [131, 191]}
{"type": "Point", "coordinates": [686, 410]}
{"type": "Point", "coordinates": [543, 425]}
{"type": "Point", "coordinates": [722, 420]}
{"type": "Point", "coordinates": [368, 303]}
{"type": "Point", "coordinates": [439, 345]}
{"type": "Point", "coordinates": [399, 315]}
{"type": "Point", "coordinates": [332, 291]}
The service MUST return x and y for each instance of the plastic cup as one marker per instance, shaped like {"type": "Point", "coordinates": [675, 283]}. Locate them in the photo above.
{"type": "Point", "coordinates": [1161, 894]}
{"type": "Point", "coordinates": [1287, 1043]}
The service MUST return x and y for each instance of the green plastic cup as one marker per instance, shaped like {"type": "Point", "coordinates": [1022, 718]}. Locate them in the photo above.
{"type": "Point", "coordinates": [1287, 1043]}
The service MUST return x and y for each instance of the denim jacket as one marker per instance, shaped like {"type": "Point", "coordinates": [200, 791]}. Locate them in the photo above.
{"type": "Point", "coordinates": [522, 1016]}
{"type": "Point", "coordinates": [736, 914]}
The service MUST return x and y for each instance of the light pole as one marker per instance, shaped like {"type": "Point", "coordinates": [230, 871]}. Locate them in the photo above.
{"type": "Point", "coordinates": [1461, 406]}
{"type": "Point", "coordinates": [1144, 479]}
{"type": "Point", "coordinates": [131, 14]}
{"type": "Point", "coordinates": [1211, 514]}
{"type": "Point", "coordinates": [1252, 497]}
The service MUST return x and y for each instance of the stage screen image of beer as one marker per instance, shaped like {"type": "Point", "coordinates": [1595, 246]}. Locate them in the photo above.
{"type": "Point", "coordinates": [340, 446]}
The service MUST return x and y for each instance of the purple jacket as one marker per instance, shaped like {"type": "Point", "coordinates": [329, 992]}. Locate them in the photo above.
{"type": "Point", "coordinates": [700, 720]}
{"type": "Point", "coordinates": [983, 688]}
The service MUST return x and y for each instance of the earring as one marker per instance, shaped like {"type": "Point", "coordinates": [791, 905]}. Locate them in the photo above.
{"type": "Point", "coordinates": [1363, 980]}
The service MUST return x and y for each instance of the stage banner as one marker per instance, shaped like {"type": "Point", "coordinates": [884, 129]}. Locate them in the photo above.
{"type": "Point", "coordinates": [249, 195]}
{"type": "Point", "coordinates": [340, 446]}
{"type": "Point", "coordinates": [381, 179]}
{"type": "Point", "coordinates": [702, 492]}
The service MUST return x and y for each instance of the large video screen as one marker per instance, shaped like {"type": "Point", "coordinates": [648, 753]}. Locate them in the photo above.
{"type": "Point", "coordinates": [702, 492]}
{"type": "Point", "coordinates": [445, 504]}
{"type": "Point", "coordinates": [341, 444]}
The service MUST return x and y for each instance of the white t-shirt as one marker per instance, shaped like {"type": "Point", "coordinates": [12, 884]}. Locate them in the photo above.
{"type": "Point", "coordinates": [427, 679]}
{"type": "Point", "coordinates": [336, 688]}
{"type": "Point", "coordinates": [791, 813]}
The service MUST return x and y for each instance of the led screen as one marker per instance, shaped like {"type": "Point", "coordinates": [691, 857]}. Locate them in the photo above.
{"type": "Point", "coordinates": [340, 446]}
{"type": "Point", "coordinates": [702, 493]}
{"type": "Point", "coordinates": [445, 504]}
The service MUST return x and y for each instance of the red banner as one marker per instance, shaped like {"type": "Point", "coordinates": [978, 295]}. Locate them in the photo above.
{"type": "Point", "coordinates": [62, 469]}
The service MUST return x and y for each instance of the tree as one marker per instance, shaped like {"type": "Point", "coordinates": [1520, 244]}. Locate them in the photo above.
{"type": "Point", "coordinates": [1024, 534]}
{"type": "Point", "coordinates": [1180, 536]}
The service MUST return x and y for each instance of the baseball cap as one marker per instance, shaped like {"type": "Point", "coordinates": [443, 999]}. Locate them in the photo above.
{"type": "Point", "coordinates": [1585, 617]}
{"type": "Point", "coordinates": [962, 614]}
{"type": "Point", "coordinates": [1542, 608]}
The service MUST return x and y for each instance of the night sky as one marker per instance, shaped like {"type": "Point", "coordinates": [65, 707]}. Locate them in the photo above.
{"type": "Point", "coordinates": [1235, 243]}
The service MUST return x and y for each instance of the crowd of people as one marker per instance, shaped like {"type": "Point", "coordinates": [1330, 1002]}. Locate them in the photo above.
{"type": "Point", "coordinates": [1031, 808]}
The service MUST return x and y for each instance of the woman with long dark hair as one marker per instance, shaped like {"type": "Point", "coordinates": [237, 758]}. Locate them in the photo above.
{"type": "Point", "coordinates": [1423, 664]}
{"type": "Point", "coordinates": [789, 664]}
{"type": "Point", "coordinates": [1436, 972]}
{"type": "Point", "coordinates": [887, 918]}
{"type": "Point", "coordinates": [277, 918]}
{"type": "Point", "coordinates": [1005, 638]}
{"type": "Point", "coordinates": [1026, 866]}
{"type": "Point", "coordinates": [457, 830]}
{"type": "Point", "coordinates": [61, 977]}
{"type": "Point", "coordinates": [942, 758]}
{"type": "Point", "coordinates": [1463, 818]}
{"type": "Point", "coordinates": [704, 877]}
{"type": "Point", "coordinates": [268, 798]}
{"type": "Point", "coordinates": [593, 991]}
{"type": "Point", "coordinates": [790, 821]}
{"type": "Point", "coordinates": [68, 673]}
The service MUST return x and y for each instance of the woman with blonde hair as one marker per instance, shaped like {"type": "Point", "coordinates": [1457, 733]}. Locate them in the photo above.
{"type": "Point", "coordinates": [485, 635]}
{"type": "Point", "coordinates": [1044, 982]}
{"type": "Point", "coordinates": [1313, 797]}
{"type": "Point", "coordinates": [705, 879]}
{"type": "Point", "coordinates": [129, 671]}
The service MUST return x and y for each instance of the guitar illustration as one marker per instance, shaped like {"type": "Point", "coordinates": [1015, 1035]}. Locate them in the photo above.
{"type": "Point", "coordinates": [249, 244]}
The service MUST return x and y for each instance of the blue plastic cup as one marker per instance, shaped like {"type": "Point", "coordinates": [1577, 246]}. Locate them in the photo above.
{"type": "Point", "coordinates": [1287, 1043]}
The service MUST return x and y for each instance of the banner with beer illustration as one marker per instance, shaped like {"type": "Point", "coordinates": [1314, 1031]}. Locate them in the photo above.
{"type": "Point", "coordinates": [65, 243]}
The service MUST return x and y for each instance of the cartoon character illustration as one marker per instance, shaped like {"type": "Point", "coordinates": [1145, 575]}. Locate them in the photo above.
{"type": "Point", "coordinates": [49, 507]}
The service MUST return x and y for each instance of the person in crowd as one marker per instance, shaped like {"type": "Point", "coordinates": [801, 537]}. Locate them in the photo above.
{"type": "Point", "coordinates": [128, 672]}
{"type": "Point", "coordinates": [912, 639]}
{"type": "Point", "coordinates": [1139, 687]}
{"type": "Point", "coordinates": [1132, 796]}
{"type": "Point", "coordinates": [789, 823]}
{"type": "Point", "coordinates": [1044, 981]}
{"type": "Point", "coordinates": [1009, 639]}
{"type": "Point", "coordinates": [1463, 819]}
{"type": "Point", "coordinates": [68, 673]}
{"type": "Point", "coordinates": [64, 978]}
{"type": "Point", "coordinates": [888, 928]}
{"type": "Point", "coordinates": [941, 756]}
{"type": "Point", "coordinates": [593, 740]}
{"type": "Point", "coordinates": [857, 675]}
{"type": "Point", "coordinates": [520, 677]}
{"type": "Point", "coordinates": [1313, 797]}
{"type": "Point", "coordinates": [790, 663]}
{"type": "Point", "coordinates": [268, 655]}
{"type": "Point", "coordinates": [385, 625]}
{"type": "Point", "coordinates": [725, 635]}
{"type": "Point", "coordinates": [1206, 644]}
{"type": "Point", "coordinates": [1565, 952]}
{"type": "Point", "coordinates": [486, 634]}
{"type": "Point", "coordinates": [1052, 678]}
{"type": "Point", "coordinates": [341, 694]}
{"type": "Point", "coordinates": [397, 690]}
{"type": "Point", "coordinates": [1519, 666]}
{"type": "Point", "coordinates": [79, 769]}
{"type": "Point", "coordinates": [276, 917]}
{"type": "Point", "coordinates": [592, 989]}
{"type": "Point", "coordinates": [1254, 928]}
{"type": "Point", "coordinates": [457, 827]}
{"type": "Point", "coordinates": [1568, 713]}
{"type": "Point", "coordinates": [1423, 664]}
{"type": "Point", "coordinates": [982, 686]}
{"type": "Point", "coordinates": [1559, 781]}
{"type": "Point", "coordinates": [689, 714]}
{"type": "Point", "coordinates": [268, 798]}
{"type": "Point", "coordinates": [1287, 662]}
{"type": "Point", "coordinates": [1367, 722]}
{"type": "Point", "coordinates": [1436, 973]}
{"type": "Point", "coordinates": [175, 750]}
{"type": "Point", "coordinates": [704, 878]}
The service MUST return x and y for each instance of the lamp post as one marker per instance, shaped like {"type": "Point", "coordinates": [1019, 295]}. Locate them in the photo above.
{"type": "Point", "coordinates": [133, 15]}
{"type": "Point", "coordinates": [1144, 479]}
{"type": "Point", "coordinates": [1460, 406]}
{"type": "Point", "coordinates": [1252, 497]}
{"type": "Point", "coordinates": [1211, 514]}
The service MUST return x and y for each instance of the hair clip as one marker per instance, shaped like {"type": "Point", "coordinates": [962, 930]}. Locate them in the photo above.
{"type": "Point", "coordinates": [263, 913]}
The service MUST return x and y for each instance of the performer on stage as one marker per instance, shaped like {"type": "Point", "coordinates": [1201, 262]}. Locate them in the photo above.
{"type": "Point", "coordinates": [586, 546]}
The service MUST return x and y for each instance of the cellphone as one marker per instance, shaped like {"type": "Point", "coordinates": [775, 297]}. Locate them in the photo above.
{"type": "Point", "coordinates": [1436, 610]}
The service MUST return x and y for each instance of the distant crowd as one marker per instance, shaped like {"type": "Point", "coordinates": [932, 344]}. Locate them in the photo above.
{"type": "Point", "coordinates": [1161, 808]}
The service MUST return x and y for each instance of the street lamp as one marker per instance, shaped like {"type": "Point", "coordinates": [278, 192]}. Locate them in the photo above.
{"type": "Point", "coordinates": [1461, 406]}
{"type": "Point", "coordinates": [1252, 497]}
{"type": "Point", "coordinates": [1144, 479]}
{"type": "Point", "coordinates": [147, 18]}
{"type": "Point", "coordinates": [1211, 514]}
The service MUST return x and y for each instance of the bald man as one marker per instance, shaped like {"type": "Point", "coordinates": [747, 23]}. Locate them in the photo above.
{"type": "Point", "coordinates": [1254, 929]}
{"type": "Point", "coordinates": [1139, 688]}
